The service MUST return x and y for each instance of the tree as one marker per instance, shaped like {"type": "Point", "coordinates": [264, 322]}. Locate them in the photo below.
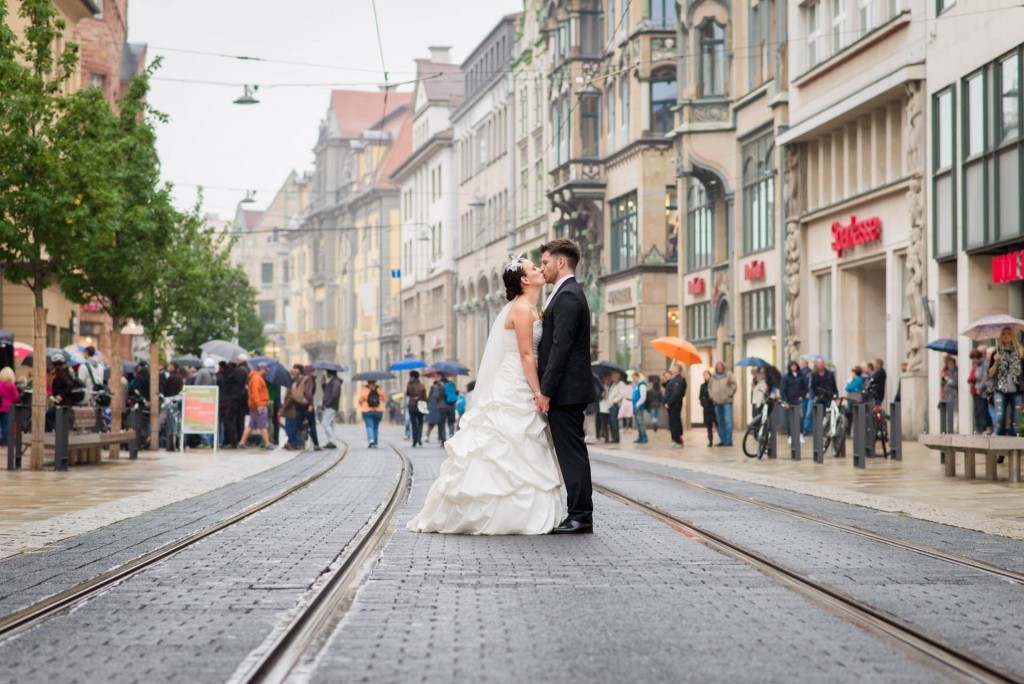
{"type": "Point", "coordinates": [53, 194]}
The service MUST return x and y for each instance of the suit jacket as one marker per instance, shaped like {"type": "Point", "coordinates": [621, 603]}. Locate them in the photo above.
{"type": "Point", "coordinates": [563, 359]}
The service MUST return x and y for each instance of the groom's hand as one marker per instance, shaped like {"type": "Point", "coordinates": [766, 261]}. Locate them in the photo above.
{"type": "Point", "coordinates": [543, 403]}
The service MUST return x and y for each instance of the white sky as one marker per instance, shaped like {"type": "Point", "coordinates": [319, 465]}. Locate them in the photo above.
{"type": "Point", "coordinates": [229, 148]}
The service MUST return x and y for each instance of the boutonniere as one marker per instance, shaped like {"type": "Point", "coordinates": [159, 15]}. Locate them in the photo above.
{"type": "Point", "coordinates": [542, 312]}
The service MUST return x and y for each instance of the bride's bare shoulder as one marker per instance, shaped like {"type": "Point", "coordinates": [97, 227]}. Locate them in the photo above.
{"type": "Point", "coordinates": [521, 313]}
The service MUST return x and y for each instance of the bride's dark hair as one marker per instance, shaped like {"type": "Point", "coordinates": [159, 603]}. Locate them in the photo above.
{"type": "Point", "coordinates": [513, 284]}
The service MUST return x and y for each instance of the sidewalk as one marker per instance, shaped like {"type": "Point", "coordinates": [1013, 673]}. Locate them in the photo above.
{"type": "Point", "coordinates": [42, 507]}
{"type": "Point", "coordinates": [915, 487]}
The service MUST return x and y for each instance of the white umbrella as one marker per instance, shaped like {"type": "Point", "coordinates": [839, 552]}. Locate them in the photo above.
{"type": "Point", "coordinates": [221, 350]}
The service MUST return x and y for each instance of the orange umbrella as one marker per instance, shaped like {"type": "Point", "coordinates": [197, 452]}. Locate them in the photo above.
{"type": "Point", "coordinates": [678, 349]}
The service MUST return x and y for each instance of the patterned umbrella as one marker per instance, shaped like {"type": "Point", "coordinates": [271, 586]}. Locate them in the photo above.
{"type": "Point", "coordinates": [988, 327]}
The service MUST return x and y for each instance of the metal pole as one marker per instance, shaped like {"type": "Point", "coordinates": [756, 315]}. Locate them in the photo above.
{"type": "Point", "coordinates": [60, 439]}
{"type": "Point", "coordinates": [817, 438]}
{"type": "Point", "coordinates": [12, 446]}
{"type": "Point", "coordinates": [896, 431]}
{"type": "Point", "coordinates": [942, 418]}
{"type": "Point", "coordinates": [859, 436]}
{"type": "Point", "coordinates": [134, 424]}
{"type": "Point", "coordinates": [773, 433]}
{"type": "Point", "coordinates": [869, 429]}
{"type": "Point", "coordinates": [794, 433]}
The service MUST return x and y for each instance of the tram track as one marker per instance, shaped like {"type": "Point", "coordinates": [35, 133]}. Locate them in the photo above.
{"type": "Point", "coordinates": [30, 616]}
{"type": "Point", "coordinates": [299, 640]}
{"type": "Point", "coordinates": [914, 547]}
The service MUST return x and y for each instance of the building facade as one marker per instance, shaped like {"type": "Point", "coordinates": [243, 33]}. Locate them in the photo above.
{"type": "Point", "coordinates": [429, 211]}
{"type": "Point", "coordinates": [483, 149]}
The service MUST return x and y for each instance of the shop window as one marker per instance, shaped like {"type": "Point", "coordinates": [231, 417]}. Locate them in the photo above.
{"type": "Point", "coordinates": [700, 226]}
{"type": "Point", "coordinates": [672, 320]}
{"type": "Point", "coordinates": [663, 14]}
{"type": "Point", "coordinates": [943, 198]}
{"type": "Point", "coordinates": [663, 100]}
{"type": "Point", "coordinates": [590, 125]}
{"type": "Point", "coordinates": [825, 315]}
{"type": "Point", "coordinates": [590, 28]}
{"type": "Point", "coordinates": [622, 328]}
{"type": "Point", "coordinates": [671, 225]}
{"type": "Point", "coordinates": [625, 243]}
{"type": "Point", "coordinates": [759, 194]}
{"type": "Point", "coordinates": [759, 311]}
{"type": "Point", "coordinates": [712, 59]}
{"type": "Point", "coordinates": [698, 323]}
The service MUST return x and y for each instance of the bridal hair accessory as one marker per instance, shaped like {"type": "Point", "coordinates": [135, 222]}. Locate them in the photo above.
{"type": "Point", "coordinates": [514, 264]}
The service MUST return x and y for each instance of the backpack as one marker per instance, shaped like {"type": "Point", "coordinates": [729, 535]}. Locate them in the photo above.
{"type": "Point", "coordinates": [78, 390]}
{"type": "Point", "coordinates": [373, 398]}
{"type": "Point", "coordinates": [451, 395]}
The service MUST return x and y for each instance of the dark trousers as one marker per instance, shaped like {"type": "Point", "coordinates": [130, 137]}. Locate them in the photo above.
{"type": "Point", "coordinates": [446, 428]}
{"type": "Point", "coordinates": [306, 413]}
{"type": "Point", "coordinates": [613, 421]}
{"type": "Point", "coordinates": [675, 422]}
{"type": "Point", "coordinates": [566, 423]}
{"type": "Point", "coordinates": [416, 421]}
{"type": "Point", "coordinates": [982, 418]}
{"type": "Point", "coordinates": [234, 423]}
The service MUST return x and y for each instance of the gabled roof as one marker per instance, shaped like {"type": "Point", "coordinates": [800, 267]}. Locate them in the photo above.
{"type": "Point", "coordinates": [400, 129]}
{"type": "Point", "coordinates": [357, 110]}
{"type": "Point", "coordinates": [251, 218]}
{"type": "Point", "coordinates": [449, 86]}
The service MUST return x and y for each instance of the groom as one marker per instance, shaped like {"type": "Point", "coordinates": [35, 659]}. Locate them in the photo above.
{"type": "Point", "coordinates": [566, 381]}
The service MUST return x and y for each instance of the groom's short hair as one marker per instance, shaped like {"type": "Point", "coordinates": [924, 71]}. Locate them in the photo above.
{"type": "Point", "coordinates": [563, 247]}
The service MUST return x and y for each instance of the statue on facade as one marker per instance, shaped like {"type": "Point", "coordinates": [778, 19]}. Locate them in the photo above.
{"type": "Point", "coordinates": [913, 135]}
{"type": "Point", "coordinates": [792, 247]}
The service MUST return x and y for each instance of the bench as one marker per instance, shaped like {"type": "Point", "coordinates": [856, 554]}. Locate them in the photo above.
{"type": "Point", "coordinates": [971, 446]}
{"type": "Point", "coordinates": [84, 441]}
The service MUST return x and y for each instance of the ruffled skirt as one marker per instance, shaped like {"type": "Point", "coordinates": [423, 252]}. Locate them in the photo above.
{"type": "Point", "coordinates": [500, 476]}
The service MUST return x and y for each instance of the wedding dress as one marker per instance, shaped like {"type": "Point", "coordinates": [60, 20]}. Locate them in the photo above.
{"type": "Point", "coordinates": [501, 475]}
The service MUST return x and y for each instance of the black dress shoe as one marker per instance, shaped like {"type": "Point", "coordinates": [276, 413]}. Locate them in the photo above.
{"type": "Point", "coordinates": [574, 527]}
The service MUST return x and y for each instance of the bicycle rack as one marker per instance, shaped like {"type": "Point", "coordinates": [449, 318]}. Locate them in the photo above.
{"type": "Point", "coordinates": [860, 431]}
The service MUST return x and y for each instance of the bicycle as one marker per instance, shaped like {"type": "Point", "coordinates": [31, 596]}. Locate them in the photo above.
{"type": "Point", "coordinates": [835, 428]}
{"type": "Point", "coordinates": [881, 419]}
{"type": "Point", "coordinates": [755, 441]}
{"type": "Point", "coordinates": [170, 410]}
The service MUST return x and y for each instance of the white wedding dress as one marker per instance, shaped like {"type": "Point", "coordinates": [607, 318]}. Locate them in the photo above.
{"type": "Point", "coordinates": [501, 475]}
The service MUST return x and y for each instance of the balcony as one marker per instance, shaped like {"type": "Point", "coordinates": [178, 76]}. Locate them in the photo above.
{"type": "Point", "coordinates": [705, 115]}
{"type": "Point", "coordinates": [582, 178]}
{"type": "Point", "coordinates": [318, 338]}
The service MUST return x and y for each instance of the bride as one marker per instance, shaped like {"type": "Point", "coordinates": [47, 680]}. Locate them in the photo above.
{"type": "Point", "coordinates": [501, 476]}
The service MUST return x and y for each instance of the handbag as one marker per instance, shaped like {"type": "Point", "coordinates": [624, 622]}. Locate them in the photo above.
{"type": "Point", "coordinates": [421, 407]}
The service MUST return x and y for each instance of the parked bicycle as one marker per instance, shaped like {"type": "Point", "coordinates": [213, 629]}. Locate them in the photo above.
{"type": "Point", "coordinates": [170, 422]}
{"type": "Point", "coordinates": [755, 441]}
{"type": "Point", "coordinates": [834, 427]}
{"type": "Point", "coordinates": [881, 419]}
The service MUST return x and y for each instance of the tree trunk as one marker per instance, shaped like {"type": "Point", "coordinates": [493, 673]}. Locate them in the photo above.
{"type": "Point", "coordinates": [116, 393]}
{"type": "Point", "coordinates": [154, 394]}
{"type": "Point", "coordinates": [39, 396]}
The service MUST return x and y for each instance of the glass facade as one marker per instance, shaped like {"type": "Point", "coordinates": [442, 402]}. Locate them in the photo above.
{"type": "Point", "coordinates": [622, 328]}
{"type": "Point", "coordinates": [759, 311]}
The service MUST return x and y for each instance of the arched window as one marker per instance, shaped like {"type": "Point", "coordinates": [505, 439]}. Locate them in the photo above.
{"type": "Point", "coordinates": [663, 99]}
{"type": "Point", "coordinates": [711, 76]}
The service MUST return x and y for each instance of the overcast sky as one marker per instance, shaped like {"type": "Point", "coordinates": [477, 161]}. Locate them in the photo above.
{"type": "Point", "coordinates": [229, 148]}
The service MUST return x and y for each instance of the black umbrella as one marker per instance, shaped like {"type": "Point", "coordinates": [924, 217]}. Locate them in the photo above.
{"type": "Point", "coordinates": [50, 353]}
{"type": "Point", "coordinates": [189, 361]}
{"type": "Point", "coordinates": [324, 365]}
{"type": "Point", "coordinates": [603, 368]}
{"type": "Point", "coordinates": [374, 375]}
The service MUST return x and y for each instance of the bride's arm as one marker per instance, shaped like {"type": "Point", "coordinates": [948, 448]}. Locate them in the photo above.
{"type": "Point", "coordinates": [522, 322]}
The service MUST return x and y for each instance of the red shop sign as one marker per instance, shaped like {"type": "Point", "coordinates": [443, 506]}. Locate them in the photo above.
{"type": "Point", "coordinates": [695, 286]}
{"type": "Point", "coordinates": [753, 271]}
{"type": "Point", "coordinates": [1008, 267]}
{"type": "Point", "coordinates": [856, 233]}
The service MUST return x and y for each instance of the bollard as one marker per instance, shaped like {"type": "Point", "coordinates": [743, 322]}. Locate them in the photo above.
{"type": "Point", "coordinates": [13, 443]}
{"type": "Point", "coordinates": [896, 431]}
{"type": "Point", "coordinates": [859, 436]}
{"type": "Point", "coordinates": [942, 418]}
{"type": "Point", "coordinates": [794, 433]}
{"type": "Point", "coordinates": [133, 424]}
{"type": "Point", "coordinates": [60, 438]}
{"type": "Point", "coordinates": [869, 429]}
{"type": "Point", "coordinates": [773, 433]}
{"type": "Point", "coordinates": [817, 438]}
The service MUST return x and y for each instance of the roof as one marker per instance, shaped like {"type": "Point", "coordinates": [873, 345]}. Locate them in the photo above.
{"type": "Point", "coordinates": [358, 110]}
{"type": "Point", "coordinates": [449, 86]}
{"type": "Point", "coordinates": [400, 129]}
{"type": "Point", "coordinates": [251, 218]}
{"type": "Point", "coordinates": [132, 59]}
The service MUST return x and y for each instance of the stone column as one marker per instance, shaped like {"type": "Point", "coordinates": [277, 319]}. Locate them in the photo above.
{"type": "Point", "coordinates": [914, 387]}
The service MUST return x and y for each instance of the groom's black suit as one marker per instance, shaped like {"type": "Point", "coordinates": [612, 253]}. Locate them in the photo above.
{"type": "Point", "coordinates": [563, 363]}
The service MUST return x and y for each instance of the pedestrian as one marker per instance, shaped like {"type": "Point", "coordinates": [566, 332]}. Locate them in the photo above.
{"type": "Point", "coordinates": [259, 408]}
{"type": "Point", "coordinates": [875, 385]}
{"type": "Point", "coordinates": [977, 381]}
{"type": "Point", "coordinates": [855, 384]}
{"type": "Point", "coordinates": [470, 388]}
{"type": "Point", "coordinates": [951, 390]}
{"type": "Point", "coordinates": [654, 400]}
{"type": "Point", "coordinates": [446, 408]}
{"type": "Point", "coordinates": [616, 393]}
{"type": "Point", "coordinates": [639, 407]}
{"type": "Point", "coordinates": [304, 403]}
{"type": "Point", "coordinates": [1006, 370]}
{"type": "Point", "coordinates": [603, 412]}
{"type": "Point", "coordinates": [173, 382]}
{"type": "Point", "coordinates": [206, 376]}
{"type": "Point", "coordinates": [759, 392]}
{"type": "Point", "coordinates": [675, 390]}
{"type": "Point", "coordinates": [823, 384]}
{"type": "Point", "coordinates": [370, 404]}
{"type": "Point", "coordinates": [8, 398]}
{"type": "Point", "coordinates": [90, 372]}
{"type": "Point", "coordinates": [709, 406]}
{"type": "Point", "coordinates": [61, 388]}
{"type": "Point", "coordinates": [434, 397]}
{"type": "Point", "coordinates": [723, 389]}
{"type": "Point", "coordinates": [416, 401]}
{"type": "Point", "coordinates": [290, 413]}
{"type": "Point", "coordinates": [330, 400]}
{"type": "Point", "coordinates": [808, 403]}
{"type": "Point", "coordinates": [626, 407]}
{"type": "Point", "coordinates": [237, 396]}
{"type": "Point", "coordinates": [792, 391]}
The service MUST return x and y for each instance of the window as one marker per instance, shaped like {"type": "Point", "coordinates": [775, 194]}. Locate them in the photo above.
{"type": "Point", "coordinates": [622, 327]}
{"type": "Point", "coordinates": [267, 312]}
{"type": "Point", "coordinates": [624, 113]}
{"type": "Point", "coordinates": [267, 275]}
{"type": "Point", "coordinates": [700, 226]}
{"type": "Point", "coordinates": [663, 14]}
{"type": "Point", "coordinates": [759, 311]}
{"type": "Point", "coordinates": [610, 97]}
{"type": "Point", "coordinates": [625, 246]}
{"type": "Point", "coordinates": [671, 225]}
{"type": "Point", "coordinates": [712, 59]}
{"type": "Point", "coordinates": [590, 125]}
{"type": "Point", "coordinates": [698, 323]}
{"type": "Point", "coordinates": [590, 28]}
{"type": "Point", "coordinates": [523, 111]}
{"type": "Point", "coordinates": [481, 147]}
{"type": "Point", "coordinates": [943, 197]}
{"type": "Point", "coordinates": [1008, 112]}
{"type": "Point", "coordinates": [560, 131]}
{"type": "Point", "coordinates": [538, 100]}
{"type": "Point", "coordinates": [561, 42]}
{"type": "Point", "coordinates": [538, 181]}
{"type": "Point", "coordinates": [97, 81]}
{"type": "Point", "coordinates": [866, 15]}
{"type": "Point", "coordinates": [943, 5]}
{"type": "Point", "coordinates": [839, 35]}
{"type": "Point", "coordinates": [759, 194]}
{"type": "Point", "coordinates": [812, 28]}
{"type": "Point", "coordinates": [613, 20]}
{"type": "Point", "coordinates": [762, 42]}
{"type": "Point", "coordinates": [825, 315]}
{"type": "Point", "coordinates": [435, 241]}
{"type": "Point", "coordinates": [524, 193]}
{"type": "Point", "coordinates": [663, 100]}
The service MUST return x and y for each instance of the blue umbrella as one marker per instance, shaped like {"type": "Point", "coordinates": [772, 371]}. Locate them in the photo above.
{"type": "Point", "coordinates": [276, 373]}
{"type": "Point", "coordinates": [944, 344]}
{"type": "Point", "coordinates": [753, 362]}
{"type": "Point", "coordinates": [450, 368]}
{"type": "Point", "coordinates": [407, 364]}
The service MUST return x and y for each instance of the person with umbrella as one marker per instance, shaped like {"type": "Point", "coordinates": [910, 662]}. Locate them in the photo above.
{"type": "Point", "coordinates": [416, 401]}
{"type": "Point", "coordinates": [330, 399]}
{"type": "Point", "coordinates": [1006, 370]}
{"type": "Point", "coordinates": [371, 402]}
{"type": "Point", "coordinates": [978, 381]}
{"type": "Point", "coordinates": [259, 408]}
{"type": "Point", "coordinates": [675, 391]}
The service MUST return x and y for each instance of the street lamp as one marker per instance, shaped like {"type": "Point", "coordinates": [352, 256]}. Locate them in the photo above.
{"type": "Point", "coordinates": [247, 98]}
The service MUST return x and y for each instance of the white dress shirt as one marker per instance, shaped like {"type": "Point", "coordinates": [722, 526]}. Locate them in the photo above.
{"type": "Point", "coordinates": [558, 285]}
